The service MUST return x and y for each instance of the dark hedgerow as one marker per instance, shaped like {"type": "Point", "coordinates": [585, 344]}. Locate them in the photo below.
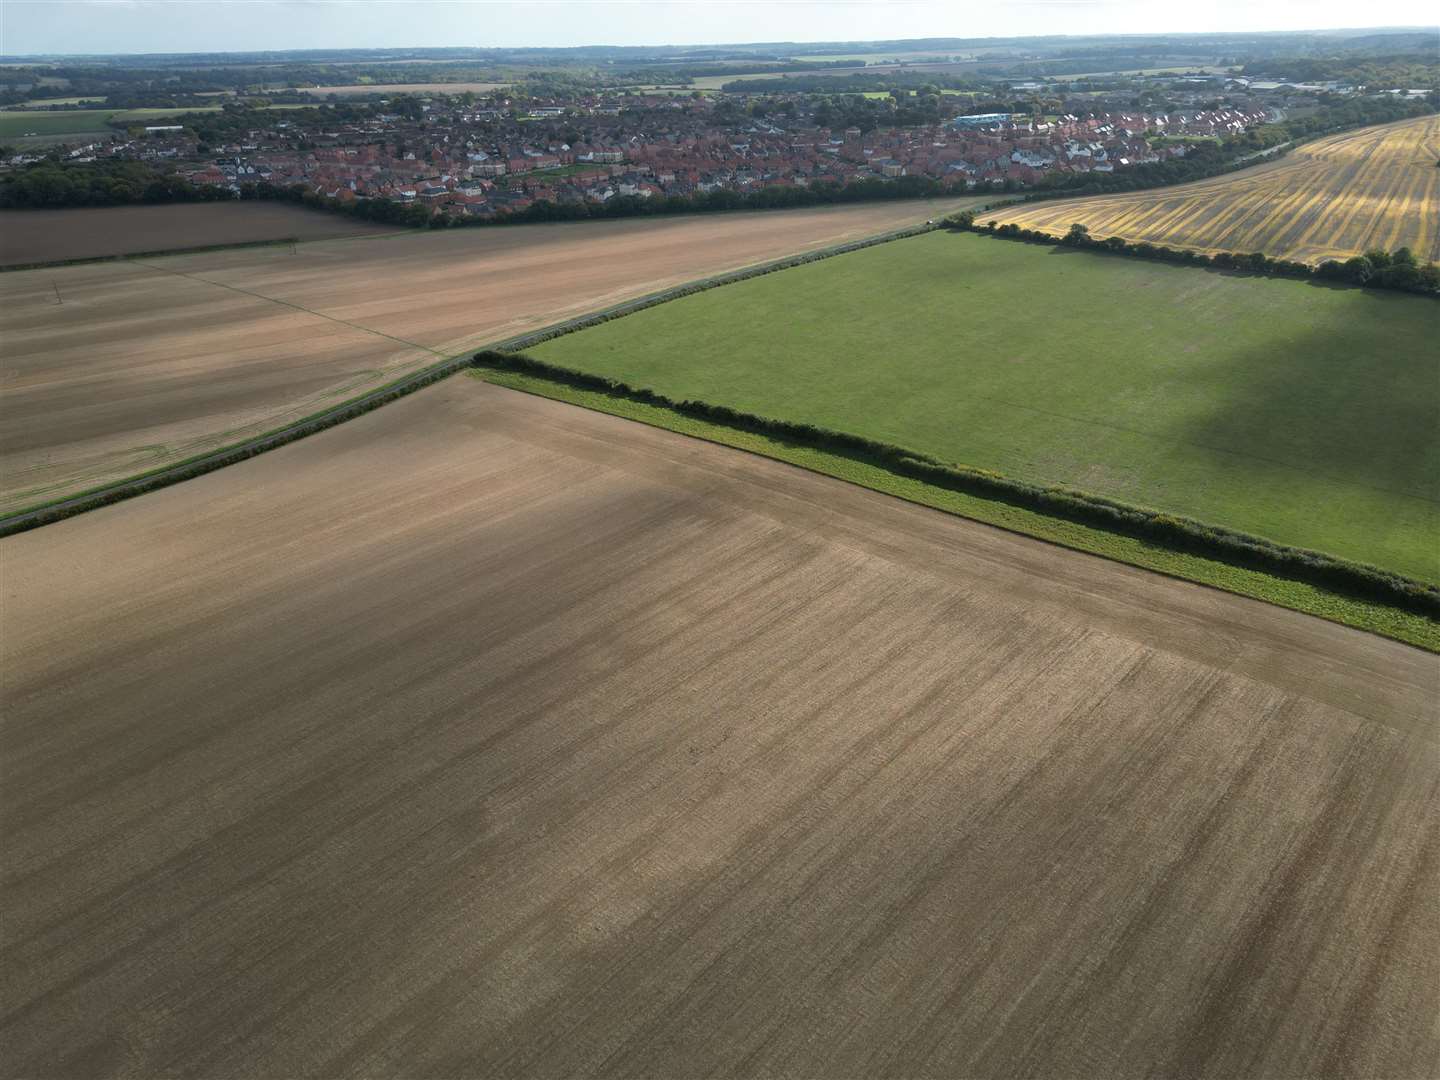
{"type": "Point", "coordinates": [630, 307]}
{"type": "Point", "coordinates": [198, 466]}
{"type": "Point", "coordinates": [1175, 532]}
{"type": "Point", "coordinates": [184, 470]}
{"type": "Point", "coordinates": [1398, 270]}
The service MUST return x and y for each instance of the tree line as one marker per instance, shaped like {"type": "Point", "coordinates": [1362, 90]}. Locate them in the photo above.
{"type": "Point", "coordinates": [117, 183]}
{"type": "Point", "coordinates": [1377, 269]}
{"type": "Point", "coordinates": [624, 206]}
{"type": "Point", "coordinates": [1172, 531]}
{"type": "Point", "coordinates": [51, 184]}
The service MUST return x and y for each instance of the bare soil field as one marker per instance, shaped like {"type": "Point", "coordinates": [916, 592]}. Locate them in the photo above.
{"type": "Point", "coordinates": [31, 236]}
{"type": "Point", "coordinates": [406, 88]}
{"type": "Point", "coordinates": [1329, 199]}
{"type": "Point", "coordinates": [148, 362]}
{"type": "Point", "coordinates": [484, 736]}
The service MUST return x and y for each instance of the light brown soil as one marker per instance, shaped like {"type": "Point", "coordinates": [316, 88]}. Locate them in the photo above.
{"type": "Point", "coordinates": [31, 236]}
{"type": "Point", "coordinates": [484, 736]}
{"type": "Point", "coordinates": [152, 361]}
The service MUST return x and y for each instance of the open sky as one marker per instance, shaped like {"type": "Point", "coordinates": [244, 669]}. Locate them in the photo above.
{"type": "Point", "coordinates": [143, 26]}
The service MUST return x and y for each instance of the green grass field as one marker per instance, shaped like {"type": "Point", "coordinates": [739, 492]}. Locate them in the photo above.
{"type": "Point", "coordinates": [558, 173]}
{"type": "Point", "coordinates": [16, 123]}
{"type": "Point", "coordinates": [1375, 617]}
{"type": "Point", "coordinates": [1301, 413]}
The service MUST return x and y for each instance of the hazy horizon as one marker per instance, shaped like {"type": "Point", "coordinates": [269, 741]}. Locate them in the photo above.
{"type": "Point", "coordinates": [106, 27]}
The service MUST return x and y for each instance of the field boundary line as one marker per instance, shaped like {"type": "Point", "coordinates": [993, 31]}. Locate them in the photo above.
{"type": "Point", "coordinates": [1349, 583]}
{"type": "Point", "coordinates": [204, 249]}
{"type": "Point", "coordinates": [55, 510]}
{"type": "Point", "coordinates": [296, 307]}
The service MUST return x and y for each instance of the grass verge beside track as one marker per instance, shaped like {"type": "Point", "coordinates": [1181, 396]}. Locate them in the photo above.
{"type": "Point", "coordinates": [1409, 627]}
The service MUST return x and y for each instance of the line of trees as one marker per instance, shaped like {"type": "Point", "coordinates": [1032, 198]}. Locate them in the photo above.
{"type": "Point", "coordinates": [630, 307]}
{"type": "Point", "coordinates": [50, 184]}
{"type": "Point", "coordinates": [624, 206]}
{"type": "Point", "coordinates": [57, 184]}
{"type": "Point", "coordinates": [1177, 533]}
{"type": "Point", "coordinates": [1397, 269]}
{"type": "Point", "coordinates": [53, 184]}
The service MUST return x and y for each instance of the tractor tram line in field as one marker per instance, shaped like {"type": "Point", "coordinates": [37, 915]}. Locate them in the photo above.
{"type": "Point", "coordinates": [292, 306]}
{"type": "Point", "coordinates": [1335, 197]}
{"type": "Point", "coordinates": [500, 737]}
{"type": "Point", "coordinates": [1366, 184]}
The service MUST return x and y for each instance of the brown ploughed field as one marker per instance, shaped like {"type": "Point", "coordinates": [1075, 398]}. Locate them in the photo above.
{"type": "Point", "coordinates": [32, 236]}
{"type": "Point", "coordinates": [147, 362]}
{"type": "Point", "coordinates": [485, 736]}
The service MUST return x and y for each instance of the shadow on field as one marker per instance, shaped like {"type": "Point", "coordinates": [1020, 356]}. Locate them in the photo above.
{"type": "Point", "coordinates": [1350, 395]}
{"type": "Point", "coordinates": [1347, 391]}
{"type": "Point", "coordinates": [1327, 284]}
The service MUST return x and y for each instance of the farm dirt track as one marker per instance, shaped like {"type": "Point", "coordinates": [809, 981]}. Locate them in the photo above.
{"type": "Point", "coordinates": [28, 236]}
{"type": "Point", "coordinates": [1335, 197]}
{"type": "Point", "coordinates": [485, 736]}
{"type": "Point", "coordinates": [148, 362]}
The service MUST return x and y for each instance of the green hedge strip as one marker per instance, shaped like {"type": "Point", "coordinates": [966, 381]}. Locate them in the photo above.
{"type": "Point", "coordinates": [1398, 270]}
{"type": "Point", "coordinates": [630, 307]}
{"type": "Point", "coordinates": [1176, 532]}
{"type": "Point", "coordinates": [123, 256]}
{"type": "Point", "coordinates": [185, 470]}
{"type": "Point", "coordinates": [230, 455]}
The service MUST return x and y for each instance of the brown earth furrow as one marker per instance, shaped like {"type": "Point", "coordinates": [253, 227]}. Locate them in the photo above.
{"type": "Point", "coordinates": [487, 736]}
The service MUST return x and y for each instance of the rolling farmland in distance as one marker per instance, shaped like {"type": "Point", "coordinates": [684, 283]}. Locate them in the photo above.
{"type": "Point", "coordinates": [144, 363]}
{"type": "Point", "coordinates": [1332, 198]}
{"type": "Point", "coordinates": [487, 736]}
{"type": "Point", "coordinates": [1238, 401]}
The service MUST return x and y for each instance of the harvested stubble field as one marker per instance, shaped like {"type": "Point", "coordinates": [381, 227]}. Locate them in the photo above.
{"type": "Point", "coordinates": [148, 362]}
{"type": "Point", "coordinates": [1330, 199]}
{"type": "Point", "coordinates": [485, 736]}
{"type": "Point", "coordinates": [32, 236]}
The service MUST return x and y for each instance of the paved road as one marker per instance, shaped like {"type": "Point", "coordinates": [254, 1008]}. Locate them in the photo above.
{"type": "Point", "coordinates": [483, 736]}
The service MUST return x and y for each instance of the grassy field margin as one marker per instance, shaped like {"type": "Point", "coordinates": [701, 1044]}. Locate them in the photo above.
{"type": "Point", "coordinates": [1380, 618]}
